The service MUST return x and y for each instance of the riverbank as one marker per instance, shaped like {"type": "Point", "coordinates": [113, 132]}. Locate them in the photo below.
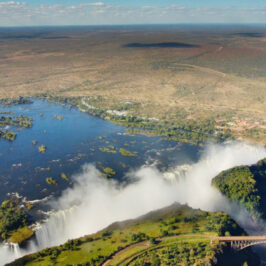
{"type": "Point", "coordinates": [181, 127]}
{"type": "Point", "coordinates": [180, 130]}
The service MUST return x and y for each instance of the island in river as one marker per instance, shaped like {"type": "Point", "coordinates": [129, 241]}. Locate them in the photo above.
{"type": "Point", "coordinates": [191, 96]}
{"type": "Point", "coordinates": [50, 147]}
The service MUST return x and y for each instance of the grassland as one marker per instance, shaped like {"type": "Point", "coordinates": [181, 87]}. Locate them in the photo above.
{"type": "Point", "coordinates": [175, 227]}
{"type": "Point", "coordinates": [21, 235]}
{"type": "Point", "coordinates": [217, 74]}
{"type": "Point", "coordinates": [169, 251]}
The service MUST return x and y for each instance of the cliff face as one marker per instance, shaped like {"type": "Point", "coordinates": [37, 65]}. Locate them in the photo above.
{"type": "Point", "coordinates": [245, 185]}
{"type": "Point", "coordinates": [174, 235]}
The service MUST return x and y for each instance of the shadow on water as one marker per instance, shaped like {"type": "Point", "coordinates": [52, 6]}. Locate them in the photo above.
{"type": "Point", "coordinates": [160, 45]}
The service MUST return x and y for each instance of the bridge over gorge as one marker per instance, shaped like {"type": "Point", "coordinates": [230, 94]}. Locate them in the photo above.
{"type": "Point", "coordinates": [237, 243]}
{"type": "Point", "coordinates": [242, 242]}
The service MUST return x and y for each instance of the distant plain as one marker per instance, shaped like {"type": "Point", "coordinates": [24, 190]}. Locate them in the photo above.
{"type": "Point", "coordinates": [202, 72]}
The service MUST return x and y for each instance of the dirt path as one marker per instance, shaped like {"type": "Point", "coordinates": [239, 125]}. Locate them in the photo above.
{"type": "Point", "coordinates": [147, 244]}
{"type": "Point", "coordinates": [140, 244]}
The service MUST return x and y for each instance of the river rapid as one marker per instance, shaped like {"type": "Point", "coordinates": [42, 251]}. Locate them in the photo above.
{"type": "Point", "coordinates": [163, 172]}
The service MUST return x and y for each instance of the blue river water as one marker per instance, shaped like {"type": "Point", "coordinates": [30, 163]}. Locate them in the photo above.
{"type": "Point", "coordinates": [70, 144]}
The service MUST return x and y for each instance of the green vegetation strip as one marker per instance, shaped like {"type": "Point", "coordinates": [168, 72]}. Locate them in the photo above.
{"type": "Point", "coordinates": [131, 254]}
{"type": "Point", "coordinates": [177, 129]}
{"type": "Point", "coordinates": [98, 248]}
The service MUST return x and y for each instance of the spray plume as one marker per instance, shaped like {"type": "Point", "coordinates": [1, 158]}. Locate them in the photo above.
{"type": "Point", "coordinates": [94, 203]}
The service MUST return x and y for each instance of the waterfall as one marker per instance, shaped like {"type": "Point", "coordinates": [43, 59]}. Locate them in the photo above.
{"type": "Point", "coordinates": [10, 252]}
{"type": "Point", "coordinates": [94, 202]}
{"type": "Point", "coordinates": [53, 232]}
{"type": "Point", "coordinates": [16, 250]}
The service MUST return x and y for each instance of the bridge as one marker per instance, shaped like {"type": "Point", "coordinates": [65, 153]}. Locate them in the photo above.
{"type": "Point", "coordinates": [237, 243]}
{"type": "Point", "coordinates": [241, 242]}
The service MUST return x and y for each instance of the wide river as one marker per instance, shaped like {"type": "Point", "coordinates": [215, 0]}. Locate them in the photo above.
{"type": "Point", "coordinates": [80, 139]}
{"type": "Point", "coordinates": [71, 143]}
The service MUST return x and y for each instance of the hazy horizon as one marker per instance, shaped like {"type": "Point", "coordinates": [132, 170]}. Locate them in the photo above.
{"type": "Point", "coordinates": [118, 12]}
{"type": "Point", "coordinates": [195, 24]}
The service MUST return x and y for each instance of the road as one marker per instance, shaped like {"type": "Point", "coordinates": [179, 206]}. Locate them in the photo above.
{"type": "Point", "coordinates": [147, 244]}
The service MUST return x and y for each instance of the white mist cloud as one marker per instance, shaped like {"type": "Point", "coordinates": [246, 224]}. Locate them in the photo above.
{"type": "Point", "coordinates": [94, 202]}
